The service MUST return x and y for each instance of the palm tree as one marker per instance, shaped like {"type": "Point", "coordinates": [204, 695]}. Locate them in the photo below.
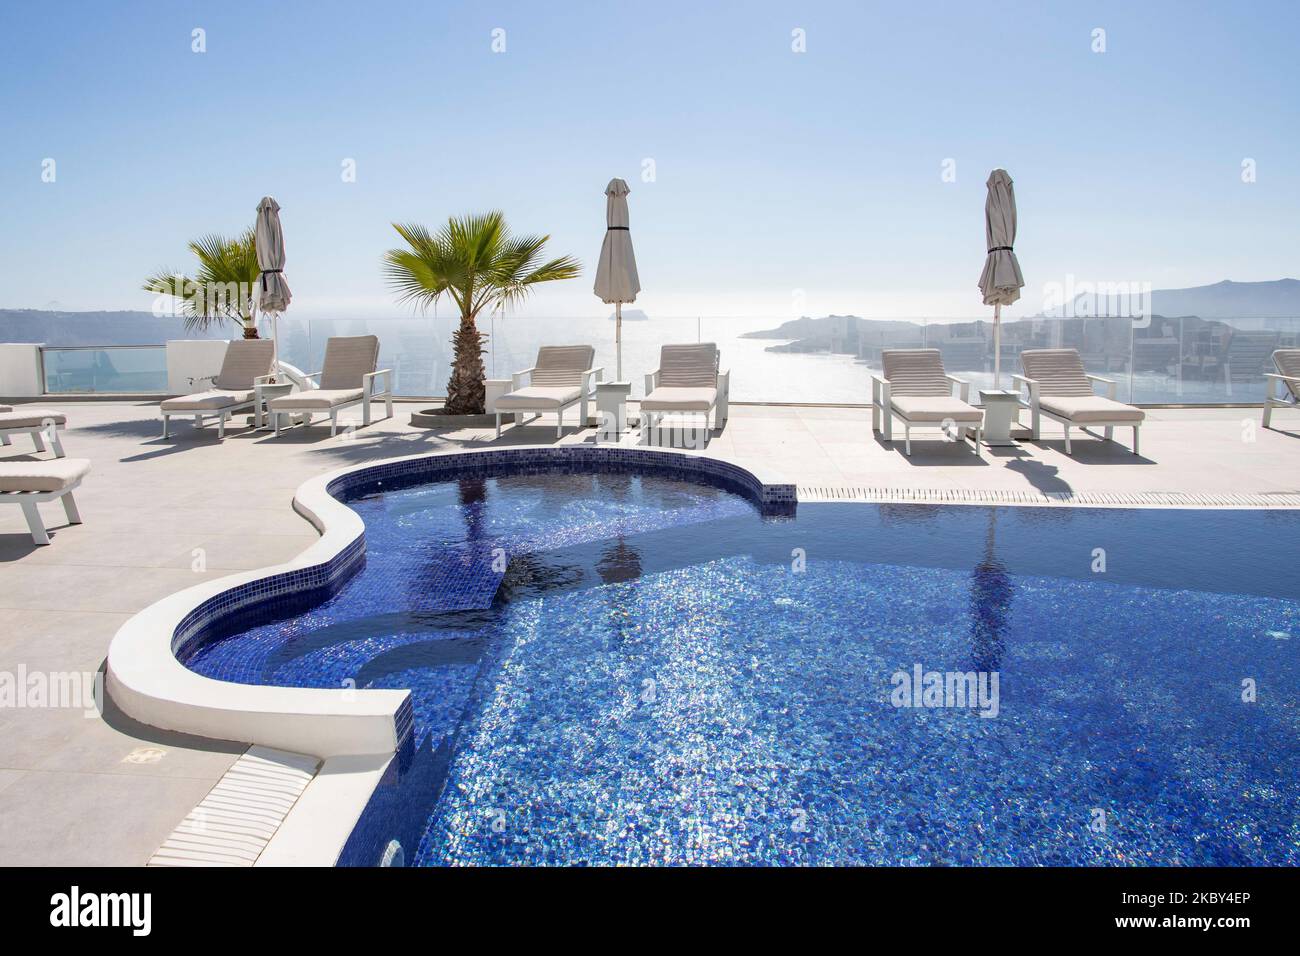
{"type": "Point", "coordinates": [222, 290]}
{"type": "Point", "coordinates": [479, 264]}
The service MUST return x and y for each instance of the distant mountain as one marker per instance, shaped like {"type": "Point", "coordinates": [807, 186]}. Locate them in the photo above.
{"type": "Point", "coordinates": [1224, 301]}
{"type": "Point", "coordinates": [832, 333]}
{"type": "Point", "coordinates": [806, 326]}
{"type": "Point", "coordinates": [632, 315]}
{"type": "Point", "coordinates": [95, 328]}
{"type": "Point", "coordinates": [1278, 299]}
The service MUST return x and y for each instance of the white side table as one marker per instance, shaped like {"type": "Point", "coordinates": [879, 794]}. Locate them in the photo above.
{"type": "Point", "coordinates": [262, 395]}
{"type": "Point", "coordinates": [611, 410]}
{"type": "Point", "coordinates": [494, 388]}
{"type": "Point", "coordinates": [1001, 408]}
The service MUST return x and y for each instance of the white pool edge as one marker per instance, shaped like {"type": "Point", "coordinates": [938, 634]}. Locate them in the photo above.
{"type": "Point", "coordinates": [354, 732]}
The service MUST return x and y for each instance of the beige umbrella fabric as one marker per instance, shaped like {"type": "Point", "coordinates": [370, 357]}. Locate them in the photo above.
{"type": "Point", "coordinates": [272, 293]}
{"type": "Point", "coordinates": [616, 278]}
{"type": "Point", "coordinates": [1001, 281]}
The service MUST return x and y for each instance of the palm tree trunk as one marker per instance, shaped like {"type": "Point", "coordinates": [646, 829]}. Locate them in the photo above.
{"type": "Point", "coordinates": [465, 392]}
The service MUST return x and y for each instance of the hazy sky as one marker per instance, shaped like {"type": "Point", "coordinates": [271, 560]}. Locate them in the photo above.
{"type": "Point", "coordinates": [773, 171]}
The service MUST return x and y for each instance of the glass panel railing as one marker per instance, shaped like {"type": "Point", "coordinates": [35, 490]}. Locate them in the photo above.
{"type": "Point", "coordinates": [1158, 361]}
{"type": "Point", "coordinates": [1208, 361]}
{"type": "Point", "coordinates": [830, 360]}
{"type": "Point", "coordinates": [136, 369]}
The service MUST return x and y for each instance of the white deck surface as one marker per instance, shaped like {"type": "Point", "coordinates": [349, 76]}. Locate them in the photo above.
{"type": "Point", "coordinates": [161, 515]}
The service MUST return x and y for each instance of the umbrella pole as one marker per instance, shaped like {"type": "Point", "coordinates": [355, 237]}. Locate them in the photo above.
{"type": "Point", "coordinates": [275, 344]}
{"type": "Point", "coordinates": [997, 347]}
{"type": "Point", "coordinates": [618, 341]}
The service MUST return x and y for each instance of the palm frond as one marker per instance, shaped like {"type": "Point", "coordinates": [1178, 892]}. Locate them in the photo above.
{"type": "Point", "coordinates": [473, 260]}
{"type": "Point", "coordinates": [221, 289]}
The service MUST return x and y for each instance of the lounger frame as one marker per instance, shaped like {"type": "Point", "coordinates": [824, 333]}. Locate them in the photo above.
{"type": "Point", "coordinates": [368, 395]}
{"type": "Point", "coordinates": [586, 394]}
{"type": "Point", "coordinates": [1036, 411]}
{"type": "Point", "coordinates": [720, 408]}
{"type": "Point", "coordinates": [40, 434]}
{"type": "Point", "coordinates": [883, 413]}
{"type": "Point", "coordinates": [1282, 390]}
{"type": "Point", "coordinates": [1275, 398]}
{"type": "Point", "coordinates": [220, 414]}
{"type": "Point", "coordinates": [29, 500]}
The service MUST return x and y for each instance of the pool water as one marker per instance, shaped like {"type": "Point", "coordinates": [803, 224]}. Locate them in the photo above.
{"type": "Point", "coordinates": [612, 669]}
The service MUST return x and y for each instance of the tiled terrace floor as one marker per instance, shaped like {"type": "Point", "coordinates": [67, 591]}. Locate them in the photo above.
{"type": "Point", "coordinates": [81, 790]}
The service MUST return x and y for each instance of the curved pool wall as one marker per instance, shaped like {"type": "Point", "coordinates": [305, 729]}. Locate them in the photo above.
{"type": "Point", "coordinates": [148, 681]}
{"type": "Point", "coordinates": [1124, 680]}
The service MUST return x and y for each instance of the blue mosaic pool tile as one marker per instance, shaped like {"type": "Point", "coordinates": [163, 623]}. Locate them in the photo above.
{"type": "Point", "coordinates": [472, 587]}
{"type": "Point", "coordinates": [656, 681]}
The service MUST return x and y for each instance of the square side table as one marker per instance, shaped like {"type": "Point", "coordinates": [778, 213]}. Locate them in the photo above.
{"type": "Point", "coordinates": [262, 395]}
{"type": "Point", "coordinates": [1001, 408]}
{"type": "Point", "coordinates": [611, 410]}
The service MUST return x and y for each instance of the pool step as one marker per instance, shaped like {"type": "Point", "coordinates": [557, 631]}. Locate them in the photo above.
{"type": "Point", "coordinates": [238, 817]}
{"type": "Point", "coordinates": [1102, 499]}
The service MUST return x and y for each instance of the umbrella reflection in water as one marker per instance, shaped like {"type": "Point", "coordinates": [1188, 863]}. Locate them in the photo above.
{"type": "Point", "coordinates": [990, 604]}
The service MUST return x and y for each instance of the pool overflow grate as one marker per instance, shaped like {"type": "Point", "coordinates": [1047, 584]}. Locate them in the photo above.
{"type": "Point", "coordinates": [1112, 499]}
{"type": "Point", "coordinates": [235, 821]}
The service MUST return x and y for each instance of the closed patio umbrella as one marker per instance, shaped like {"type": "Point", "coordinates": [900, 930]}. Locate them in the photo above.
{"type": "Point", "coordinates": [272, 293]}
{"type": "Point", "coordinates": [616, 278]}
{"type": "Point", "coordinates": [1001, 280]}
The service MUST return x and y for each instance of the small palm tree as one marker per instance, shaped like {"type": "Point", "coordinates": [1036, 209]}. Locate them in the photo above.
{"type": "Point", "coordinates": [479, 264]}
{"type": "Point", "coordinates": [222, 290]}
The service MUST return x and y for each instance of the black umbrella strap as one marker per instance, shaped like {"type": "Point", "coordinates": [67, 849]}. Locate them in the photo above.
{"type": "Point", "coordinates": [624, 228]}
{"type": "Point", "coordinates": [1000, 249]}
{"type": "Point", "coordinates": [265, 273]}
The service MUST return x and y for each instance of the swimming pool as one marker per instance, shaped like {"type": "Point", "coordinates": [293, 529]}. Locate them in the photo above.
{"type": "Point", "coordinates": [613, 668]}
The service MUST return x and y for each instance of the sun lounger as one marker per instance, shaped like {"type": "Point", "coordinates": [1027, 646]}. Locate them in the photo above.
{"type": "Point", "coordinates": [28, 483]}
{"type": "Point", "coordinates": [563, 376]}
{"type": "Point", "coordinates": [916, 389]}
{"type": "Point", "coordinates": [1283, 385]}
{"type": "Point", "coordinates": [246, 365]}
{"type": "Point", "coordinates": [348, 377]}
{"type": "Point", "coordinates": [41, 423]}
{"type": "Point", "coordinates": [1059, 388]}
{"type": "Point", "coordinates": [688, 381]}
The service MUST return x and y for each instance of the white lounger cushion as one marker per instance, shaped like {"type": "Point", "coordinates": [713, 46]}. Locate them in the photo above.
{"type": "Point", "coordinates": [245, 361]}
{"type": "Point", "coordinates": [212, 400]}
{"type": "Point", "coordinates": [917, 372]}
{"type": "Point", "coordinates": [1090, 408]}
{"type": "Point", "coordinates": [694, 365]}
{"type": "Point", "coordinates": [560, 366]}
{"type": "Point", "coordinates": [1058, 372]}
{"type": "Point", "coordinates": [680, 399]}
{"type": "Point", "coordinates": [31, 418]}
{"type": "Point", "coordinates": [532, 397]}
{"type": "Point", "coordinates": [348, 360]}
{"type": "Point", "coordinates": [930, 408]}
{"type": "Point", "coordinates": [1065, 390]}
{"type": "Point", "coordinates": [317, 398]}
{"type": "Point", "coordinates": [36, 476]}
